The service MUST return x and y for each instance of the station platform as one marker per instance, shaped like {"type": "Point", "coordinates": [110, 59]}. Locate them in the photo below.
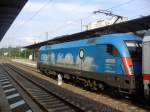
{"type": "Point", "coordinates": [26, 62]}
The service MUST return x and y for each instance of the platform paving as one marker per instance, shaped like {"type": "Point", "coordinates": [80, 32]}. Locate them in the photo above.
{"type": "Point", "coordinates": [26, 62]}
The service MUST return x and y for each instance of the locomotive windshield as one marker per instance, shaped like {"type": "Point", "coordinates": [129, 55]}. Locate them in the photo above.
{"type": "Point", "coordinates": [135, 49]}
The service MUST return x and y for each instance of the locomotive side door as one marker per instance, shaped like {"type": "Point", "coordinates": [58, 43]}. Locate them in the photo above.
{"type": "Point", "coordinates": [113, 66]}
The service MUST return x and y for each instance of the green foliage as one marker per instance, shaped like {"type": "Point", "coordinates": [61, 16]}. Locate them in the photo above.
{"type": "Point", "coordinates": [15, 52]}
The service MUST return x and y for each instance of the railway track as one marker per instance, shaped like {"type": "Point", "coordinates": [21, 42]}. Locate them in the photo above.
{"type": "Point", "coordinates": [47, 100]}
{"type": "Point", "coordinates": [132, 104]}
{"type": "Point", "coordinates": [27, 66]}
{"type": "Point", "coordinates": [81, 102]}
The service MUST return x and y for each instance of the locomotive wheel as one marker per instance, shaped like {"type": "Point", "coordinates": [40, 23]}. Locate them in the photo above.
{"type": "Point", "coordinates": [101, 86]}
{"type": "Point", "coordinates": [42, 72]}
{"type": "Point", "coordinates": [92, 84]}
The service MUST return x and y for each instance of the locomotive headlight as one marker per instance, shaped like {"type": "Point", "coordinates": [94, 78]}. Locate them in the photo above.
{"type": "Point", "coordinates": [131, 71]}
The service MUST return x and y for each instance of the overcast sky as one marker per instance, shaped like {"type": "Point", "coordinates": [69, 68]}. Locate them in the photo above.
{"type": "Point", "coordinates": [61, 17]}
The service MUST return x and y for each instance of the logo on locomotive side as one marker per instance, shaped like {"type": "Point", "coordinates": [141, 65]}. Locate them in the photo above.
{"type": "Point", "coordinates": [81, 53]}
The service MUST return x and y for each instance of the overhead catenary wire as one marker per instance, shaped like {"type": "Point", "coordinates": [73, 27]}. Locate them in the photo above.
{"type": "Point", "coordinates": [33, 16]}
{"type": "Point", "coordinates": [76, 20]}
{"type": "Point", "coordinates": [113, 7]}
{"type": "Point", "coordinates": [63, 26]}
{"type": "Point", "coordinates": [40, 9]}
{"type": "Point", "coordinates": [121, 4]}
{"type": "Point", "coordinates": [36, 13]}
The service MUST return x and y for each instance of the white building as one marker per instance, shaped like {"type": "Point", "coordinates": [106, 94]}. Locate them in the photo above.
{"type": "Point", "coordinates": [102, 23]}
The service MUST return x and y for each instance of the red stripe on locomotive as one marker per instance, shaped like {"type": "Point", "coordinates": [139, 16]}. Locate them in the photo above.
{"type": "Point", "coordinates": [146, 77]}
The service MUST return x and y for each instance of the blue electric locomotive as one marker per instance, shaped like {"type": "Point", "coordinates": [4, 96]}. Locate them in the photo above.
{"type": "Point", "coordinates": [112, 60]}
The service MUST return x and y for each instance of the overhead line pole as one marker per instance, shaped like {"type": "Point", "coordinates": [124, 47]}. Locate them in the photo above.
{"type": "Point", "coordinates": [47, 38]}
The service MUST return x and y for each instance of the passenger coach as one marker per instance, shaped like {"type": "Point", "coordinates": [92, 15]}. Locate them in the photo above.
{"type": "Point", "coordinates": [112, 60]}
{"type": "Point", "coordinates": [146, 64]}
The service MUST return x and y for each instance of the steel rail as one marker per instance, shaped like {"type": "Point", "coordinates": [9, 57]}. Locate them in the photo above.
{"type": "Point", "coordinates": [36, 96]}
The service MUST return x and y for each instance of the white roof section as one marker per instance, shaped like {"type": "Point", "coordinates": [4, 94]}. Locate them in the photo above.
{"type": "Point", "coordinates": [147, 36]}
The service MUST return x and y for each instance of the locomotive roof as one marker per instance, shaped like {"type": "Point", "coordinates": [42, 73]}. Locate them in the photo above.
{"type": "Point", "coordinates": [105, 39]}
{"type": "Point", "coordinates": [124, 27]}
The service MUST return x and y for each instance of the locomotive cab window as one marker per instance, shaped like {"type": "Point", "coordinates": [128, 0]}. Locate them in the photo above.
{"type": "Point", "coordinates": [112, 50]}
{"type": "Point", "coordinates": [135, 49]}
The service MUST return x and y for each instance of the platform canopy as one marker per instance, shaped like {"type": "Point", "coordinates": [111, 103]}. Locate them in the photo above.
{"type": "Point", "coordinates": [124, 27]}
{"type": "Point", "coordinates": [9, 9]}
